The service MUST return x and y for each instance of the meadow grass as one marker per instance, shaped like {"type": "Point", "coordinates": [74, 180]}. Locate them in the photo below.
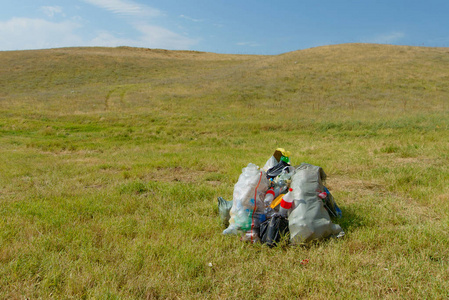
{"type": "Point", "coordinates": [111, 161]}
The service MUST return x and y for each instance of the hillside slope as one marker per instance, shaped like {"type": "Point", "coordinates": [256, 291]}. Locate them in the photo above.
{"type": "Point", "coordinates": [363, 76]}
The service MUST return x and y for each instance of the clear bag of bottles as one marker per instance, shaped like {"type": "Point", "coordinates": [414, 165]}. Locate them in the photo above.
{"type": "Point", "coordinates": [247, 205]}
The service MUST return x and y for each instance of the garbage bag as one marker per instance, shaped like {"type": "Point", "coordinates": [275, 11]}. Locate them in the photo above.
{"type": "Point", "coordinates": [273, 229]}
{"type": "Point", "coordinates": [308, 219]}
{"type": "Point", "coordinates": [277, 169]}
{"type": "Point", "coordinates": [271, 162]}
{"type": "Point", "coordinates": [247, 204]}
{"type": "Point", "coordinates": [224, 208]}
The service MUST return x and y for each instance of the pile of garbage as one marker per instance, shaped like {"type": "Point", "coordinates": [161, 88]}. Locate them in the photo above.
{"type": "Point", "coordinates": [281, 202]}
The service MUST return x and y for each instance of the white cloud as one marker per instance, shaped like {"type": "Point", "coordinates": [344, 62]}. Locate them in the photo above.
{"type": "Point", "coordinates": [26, 33]}
{"type": "Point", "coordinates": [51, 10]}
{"type": "Point", "coordinates": [387, 38]}
{"type": "Point", "coordinates": [107, 39]}
{"type": "Point", "coordinates": [126, 8]}
{"type": "Point", "coordinates": [190, 19]}
{"type": "Point", "coordinates": [151, 36]}
{"type": "Point", "coordinates": [159, 37]}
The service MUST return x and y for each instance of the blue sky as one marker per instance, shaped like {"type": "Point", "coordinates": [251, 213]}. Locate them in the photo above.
{"type": "Point", "coordinates": [222, 26]}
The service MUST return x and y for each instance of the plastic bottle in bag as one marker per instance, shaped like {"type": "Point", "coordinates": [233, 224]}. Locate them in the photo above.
{"type": "Point", "coordinates": [269, 197]}
{"type": "Point", "coordinates": [286, 203]}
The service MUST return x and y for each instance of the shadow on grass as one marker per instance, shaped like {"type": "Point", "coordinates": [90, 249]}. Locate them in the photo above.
{"type": "Point", "coordinates": [350, 220]}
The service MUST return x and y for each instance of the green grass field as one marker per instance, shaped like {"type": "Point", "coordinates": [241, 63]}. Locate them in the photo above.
{"type": "Point", "coordinates": [111, 161]}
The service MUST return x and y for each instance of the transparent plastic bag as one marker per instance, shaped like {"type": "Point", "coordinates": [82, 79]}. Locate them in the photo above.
{"type": "Point", "coordinates": [271, 162]}
{"type": "Point", "coordinates": [247, 206]}
{"type": "Point", "coordinates": [224, 208]}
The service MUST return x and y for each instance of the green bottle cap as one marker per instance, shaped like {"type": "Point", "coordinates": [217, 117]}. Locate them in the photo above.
{"type": "Point", "coordinates": [285, 159]}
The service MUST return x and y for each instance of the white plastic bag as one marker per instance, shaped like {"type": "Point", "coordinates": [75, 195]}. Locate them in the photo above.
{"type": "Point", "coordinates": [271, 162]}
{"type": "Point", "coordinates": [247, 206]}
{"type": "Point", "coordinates": [308, 219]}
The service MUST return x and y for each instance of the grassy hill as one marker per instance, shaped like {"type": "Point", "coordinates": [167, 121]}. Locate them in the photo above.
{"type": "Point", "coordinates": [111, 160]}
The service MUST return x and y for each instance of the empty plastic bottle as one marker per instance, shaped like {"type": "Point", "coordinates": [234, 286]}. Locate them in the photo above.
{"type": "Point", "coordinates": [269, 196]}
{"type": "Point", "coordinates": [286, 203]}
